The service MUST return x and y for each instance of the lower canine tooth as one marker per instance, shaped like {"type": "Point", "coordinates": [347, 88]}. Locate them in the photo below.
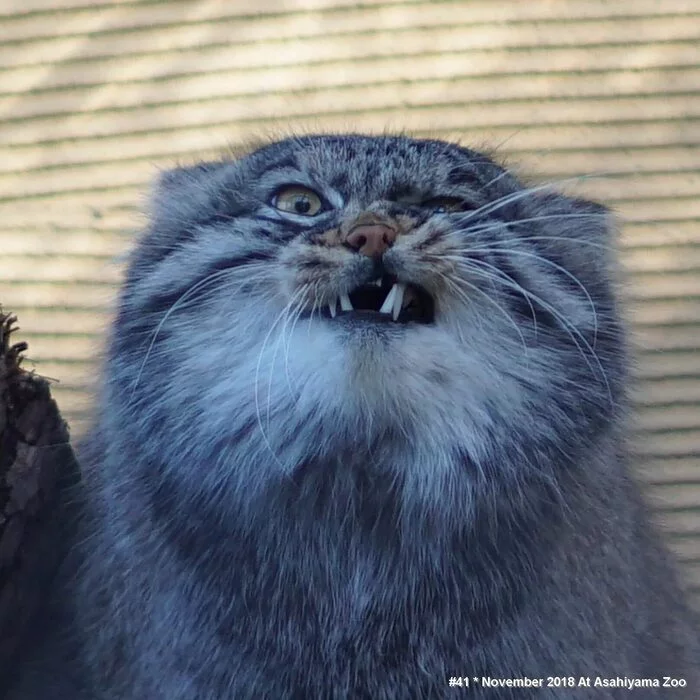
{"type": "Point", "coordinates": [345, 304]}
{"type": "Point", "coordinates": [388, 304]}
{"type": "Point", "coordinates": [333, 306]}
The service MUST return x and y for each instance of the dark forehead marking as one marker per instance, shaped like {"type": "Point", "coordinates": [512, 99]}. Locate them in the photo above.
{"type": "Point", "coordinates": [377, 156]}
{"type": "Point", "coordinates": [402, 188]}
{"type": "Point", "coordinates": [282, 158]}
{"type": "Point", "coordinates": [340, 180]}
{"type": "Point", "coordinates": [466, 173]}
{"type": "Point", "coordinates": [351, 144]}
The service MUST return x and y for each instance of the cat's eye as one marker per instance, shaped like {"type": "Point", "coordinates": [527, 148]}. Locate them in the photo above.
{"type": "Point", "coordinates": [296, 199]}
{"type": "Point", "coordinates": [444, 205]}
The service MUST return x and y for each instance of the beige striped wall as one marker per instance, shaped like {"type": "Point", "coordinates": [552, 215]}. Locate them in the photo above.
{"type": "Point", "coordinates": [95, 96]}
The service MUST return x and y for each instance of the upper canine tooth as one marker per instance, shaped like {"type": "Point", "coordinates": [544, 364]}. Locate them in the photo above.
{"type": "Point", "coordinates": [400, 288]}
{"type": "Point", "coordinates": [388, 304]}
{"type": "Point", "coordinates": [345, 304]}
{"type": "Point", "coordinates": [378, 282]}
{"type": "Point", "coordinates": [333, 306]}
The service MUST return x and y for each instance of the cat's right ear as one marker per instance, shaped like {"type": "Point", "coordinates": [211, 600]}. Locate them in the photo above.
{"type": "Point", "coordinates": [183, 194]}
{"type": "Point", "coordinates": [180, 199]}
{"type": "Point", "coordinates": [184, 176]}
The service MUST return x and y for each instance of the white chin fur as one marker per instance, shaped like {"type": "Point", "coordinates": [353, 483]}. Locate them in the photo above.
{"type": "Point", "coordinates": [315, 391]}
{"type": "Point", "coordinates": [415, 380]}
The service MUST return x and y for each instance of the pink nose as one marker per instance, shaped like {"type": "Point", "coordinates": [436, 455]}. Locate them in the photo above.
{"type": "Point", "coordinates": [371, 240]}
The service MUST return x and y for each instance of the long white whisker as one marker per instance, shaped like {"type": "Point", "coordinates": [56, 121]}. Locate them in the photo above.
{"type": "Point", "coordinates": [295, 315]}
{"type": "Point", "coordinates": [571, 330]}
{"type": "Point", "coordinates": [501, 241]}
{"type": "Point", "coordinates": [514, 197]}
{"type": "Point", "coordinates": [500, 225]}
{"type": "Point", "coordinates": [561, 269]}
{"type": "Point", "coordinates": [460, 260]}
{"type": "Point", "coordinates": [500, 176]}
{"type": "Point", "coordinates": [256, 383]}
{"type": "Point", "coordinates": [454, 284]}
{"type": "Point", "coordinates": [188, 293]}
{"type": "Point", "coordinates": [280, 340]}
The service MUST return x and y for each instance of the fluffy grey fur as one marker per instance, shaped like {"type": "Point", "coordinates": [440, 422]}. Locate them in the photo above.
{"type": "Point", "coordinates": [283, 505]}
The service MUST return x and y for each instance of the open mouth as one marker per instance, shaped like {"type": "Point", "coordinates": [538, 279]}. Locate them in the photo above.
{"type": "Point", "coordinates": [384, 299]}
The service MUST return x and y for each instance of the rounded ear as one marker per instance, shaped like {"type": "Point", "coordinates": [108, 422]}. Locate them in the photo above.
{"type": "Point", "coordinates": [598, 221]}
{"type": "Point", "coordinates": [184, 194]}
{"type": "Point", "coordinates": [174, 178]}
{"type": "Point", "coordinates": [180, 199]}
{"type": "Point", "coordinates": [580, 231]}
{"type": "Point", "coordinates": [579, 217]}
{"type": "Point", "coordinates": [572, 263]}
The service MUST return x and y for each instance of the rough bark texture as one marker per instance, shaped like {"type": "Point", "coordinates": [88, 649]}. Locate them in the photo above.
{"type": "Point", "coordinates": [37, 469]}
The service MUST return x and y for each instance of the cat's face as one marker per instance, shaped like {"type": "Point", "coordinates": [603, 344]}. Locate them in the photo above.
{"type": "Point", "coordinates": [333, 290]}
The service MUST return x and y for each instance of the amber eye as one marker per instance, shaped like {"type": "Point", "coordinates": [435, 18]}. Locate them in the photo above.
{"type": "Point", "coordinates": [444, 205]}
{"type": "Point", "coordinates": [296, 199]}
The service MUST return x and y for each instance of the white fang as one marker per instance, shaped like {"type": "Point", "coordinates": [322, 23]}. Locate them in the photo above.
{"type": "Point", "coordinates": [400, 288]}
{"type": "Point", "coordinates": [333, 306]}
{"type": "Point", "coordinates": [388, 304]}
{"type": "Point", "coordinates": [345, 304]}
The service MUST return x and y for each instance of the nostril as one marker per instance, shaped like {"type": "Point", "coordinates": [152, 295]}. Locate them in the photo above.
{"type": "Point", "coordinates": [371, 240]}
{"type": "Point", "coordinates": [359, 242]}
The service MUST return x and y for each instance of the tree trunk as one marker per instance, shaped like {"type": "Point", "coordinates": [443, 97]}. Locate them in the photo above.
{"type": "Point", "coordinates": [37, 471]}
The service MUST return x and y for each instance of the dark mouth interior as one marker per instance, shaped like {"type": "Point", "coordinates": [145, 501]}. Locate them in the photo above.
{"type": "Point", "coordinates": [367, 300]}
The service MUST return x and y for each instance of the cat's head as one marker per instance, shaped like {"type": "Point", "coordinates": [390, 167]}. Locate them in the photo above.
{"type": "Point", "coordinates": [350, 292]}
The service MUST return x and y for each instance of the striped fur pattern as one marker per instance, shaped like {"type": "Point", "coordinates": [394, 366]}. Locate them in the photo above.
{"type": "Point", "coordinates": [281, 504]}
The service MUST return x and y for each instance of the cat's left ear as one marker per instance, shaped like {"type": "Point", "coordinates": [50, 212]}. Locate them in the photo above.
{"type": "Point", "coordinates": [581, 217]}
{"type": "Point", "coordinates": [577, 239]}
{"type": "Point", "coordinates": [580, 230]}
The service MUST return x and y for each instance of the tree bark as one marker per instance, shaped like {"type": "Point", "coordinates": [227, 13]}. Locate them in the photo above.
{"type": "Point", "coordinates": [38, 469]}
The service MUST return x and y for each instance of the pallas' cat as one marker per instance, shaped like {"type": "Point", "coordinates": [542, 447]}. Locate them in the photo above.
{"type": "Point", "coordinates": [362, 429]}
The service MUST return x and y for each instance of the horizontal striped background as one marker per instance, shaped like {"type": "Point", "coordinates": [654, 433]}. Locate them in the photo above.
{"type": "Point", "coordinates": [96, 96]}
